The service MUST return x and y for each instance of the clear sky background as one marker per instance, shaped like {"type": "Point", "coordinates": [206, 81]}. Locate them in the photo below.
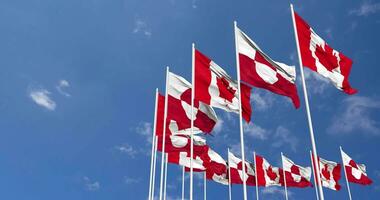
{"type": "Point", "coordinates": [77, 82]}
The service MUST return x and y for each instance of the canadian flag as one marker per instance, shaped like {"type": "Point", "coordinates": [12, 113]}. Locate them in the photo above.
{"type": "Point", "coordinates": [267, 175]}
{"type": "Point", "coordinates": [216, 88]}
{"type": "Point", "coordinates": [236, 171]}
{"type": "Point", "coordinates": [296, 175]}
{"type": "Point", "coordinates": [216, 167]}
{"type": "Point", "coordinates": [259, 70]}
{"type": "Point", "coordinates": [329, 173]}
{"type": "Point", "coordinates": [184, 159]}
{"type": "Point", "coordinates": [179, 110]}
{"type": "Point", "coordinates": [181, 143]}
{"type": "Point", "coordinates": [320, 57]}
{"type": "Point", "coordinates": [356, 173]}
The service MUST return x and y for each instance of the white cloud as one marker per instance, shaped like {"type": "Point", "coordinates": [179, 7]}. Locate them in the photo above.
{"type": "Point", "coordinates": [41, 97]}
{"type": "Point", "coordinates": [127, 149]}
{"type": "Point", "coordinates": [145, 129]}
{"type": "Point", "coordinates": [355, 115]}
{"type": "Point", "coordinates": [366, 8]}
{"type": "Point", "coordinates": [275, 191]}
{"type": "Point", "coordinates": [256, 131]}
{"type": "Point", "coordinates": [91, 185]}
{"type": "Point", "coordinates": [283, 137]}
{"type": "Point", "coordinates": [315, 83]}
{"type": "Point", "coordinates": [218, 126]}
{"type": "Point", "coordinates": [262, 100]}
{"type": "Point", "coordinates": [142, 28]}
{"type": "Point", "coordinates": [129, 180]}
{"type": "Point", "coordinates": [62, 84]}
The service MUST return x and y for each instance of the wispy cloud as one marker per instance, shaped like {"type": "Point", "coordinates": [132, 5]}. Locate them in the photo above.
{"type": "Point", "coordinates": [283, 137]}
{"type": "Point", "coordinates": [256, 131]}
{"type": "Point", "coordinates": [145, 129]}
{"type": "Point", "coordinates": [127, 149]}
{"type": "Point", "coordinates": [141, 27]}
{"type": "Point", "coordinates": [218, 126]}
{"type": "Point", "coordinates": [275, 191]}
{"type": "Point", "coordinates": [91, 185]}
{"type": "Point", "coordinates": [130, 180]}
{"type": "Point", "coordinates": [316, 84]}
{"type": "Point", "coordinates": [42, 98]}
{"type": "Point", "coordinates": [262, 100]}
{"type": "Point", "coordinates": [355, 115]}
{"type": "Point", "coordinates": [62, 85]}
{"type": "Point", "coordinates": [366, 8]}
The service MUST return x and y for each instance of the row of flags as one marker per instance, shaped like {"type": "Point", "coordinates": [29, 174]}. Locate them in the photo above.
{"type": "Point", "coordinates": [186, 110]}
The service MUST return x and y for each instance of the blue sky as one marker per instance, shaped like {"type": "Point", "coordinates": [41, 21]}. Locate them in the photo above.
{"type": "Point", "coordinates": [78, 78]}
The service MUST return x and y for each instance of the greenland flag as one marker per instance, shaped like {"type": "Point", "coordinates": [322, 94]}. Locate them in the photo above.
{"type": "Point", "coordinates": [356, 173]}
{"type": "Point", "coordinates": [179, 109]}
{"type": "Point", "coordinates": [267, 175]}
{"type": "Point", "coordinates": [259, 70]}
{"type": "Point", "coordinates": [296, 175]}
{"type": "Point", "coordinates": [181, 143]}
{"type": "Point", "coordinates": [320, 57]}
{"type": "Point", "coordinates": [330, 173]}
{"type": "Point", "coordinates": [216, 88]}
{"type": "Point", "coordinates": [236, 170]}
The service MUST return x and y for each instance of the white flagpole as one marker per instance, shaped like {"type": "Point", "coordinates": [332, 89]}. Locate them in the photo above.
{"type": "Point", "coordinates": [154, 166]}
{"type": "Point", "coordinates": [283, 171]}
{"type": "Point", "coordinates": [345, 174]}
{"type": "Point", "coordinates": [307, 104]}
{"type": "Point", "coordinates": [183, 182]}
{"type": "Point", "coordinates": [229, 175]}
{"type": "Point", "coordinates": [164, 134]}
{"type": "Point", "coordinates": [204, 186]}
{"type": "Point", "coordinates": [192, 119]}
{"type": "Point", "coordinates": [153, 145]}
{"type": "Point", "coordinates": [166, 174]}
{"type": "Point", "coordinates": [240, 112]}
{"type": "Point", "coordinates": [257, 184]}
{"type": "Point", "coordinates": [315, 180]}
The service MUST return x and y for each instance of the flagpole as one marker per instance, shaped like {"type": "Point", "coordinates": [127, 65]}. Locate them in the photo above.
{"type": "Point", "coordinates": [154, 166]}
{"type": "Point", "coordinates": [204, 186]}
{"type": "Point", "coordinates": [192, 118]}
{"type": "Point", "coordinates": [153, 145]}
{"type": "Point", "coordinates": [240, 113]}
{"type": "Point", "coordinates": [283, 171]}
{"type": "Point", "coordinates": [307, 105]}
{"type": "Point", "coordinates": [229, 175]}
{"type": "Point", "coordinates": [315, 180]}
{"type": "Point", "coordinates": [257, 184]}
{"type": "Point", "coordinates": [183, 182]}
{"type": "Point", "coordinates": [166, 174]}
{"type": "Point", "coordinates": [345, 174]}
{"type": "Point", "coordinates": [164, 133]}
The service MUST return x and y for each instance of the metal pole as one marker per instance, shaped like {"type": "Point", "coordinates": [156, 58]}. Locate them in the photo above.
{"type": "Point", "coordinates": [240, 113]}
{"type": "Point", "coordinates": [315, 180]}
{"type": "Point", "coordinates": [154, 166]}
{"type": "Point", "coordinates": [229, 176]}
{"type": "Point", "coordinates": [257, 184]}
{"type": "Point", "coordinates": [183, 182]}
{"type": "Point", "coordinates": [307, 105]}
{"type": "Point", "coordinates": [192, 120]}
{"type": "Point", "coordinates": [153, 145]}
{"type": "Point", "coordinates": [166, 174]}
{"type": "Point", "coordinates": [345, 174]}
{"type": "Point", "coordinates": [204, 186]}
{"type": "Point", "coordinates": [286, 190]}
{"type": "Point", "coordinates": [164, 134]}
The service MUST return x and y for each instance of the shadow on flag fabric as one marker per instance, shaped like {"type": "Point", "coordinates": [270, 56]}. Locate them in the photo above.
{"type": "Point", "coordinates": [296, 175]}
{"type": "Point", "coordinates": [216, 88]}
{"type": "Point", "coordinates": [356, 173]}
{"type": "Point", "coordinates": [236, 170]}
{"type": "Point", "coordinates": [259, 70]}
{"type": "Point", "coordinates": [318, 56]}
{"type": "Point", "coordinates": [267, 175]}
{"type": "Point", "coordinates": [329, 173]}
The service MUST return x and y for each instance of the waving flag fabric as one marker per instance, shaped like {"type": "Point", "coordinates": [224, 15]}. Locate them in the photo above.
{"type": "Point", "coordinates": [183, 159]}
{"type": "Point", "coordinates": [216, 167]}
{"type": "Point", "coordinates": [356, 173]}
{"type": "Point", "coordinates": [236, 170]}
{"type": "Point", "coordinates": [259, 70]}
{"type": "Point", "coordinates": [160, 114]}
{"type": "Point", "coordinates": [179, 109]}
{"type": "Point", "coordinates": [329, 173]}
{"type": "Point", "coordinates": [181, 143]}
{"type": "Point", "coordinates": [216, 88]}
{"type": "Point", "coordinates": [267, 175]}
{"type": "Point", "coordinates": [296, 175]}
{"type": "Point", "coordinates": [320, 57]}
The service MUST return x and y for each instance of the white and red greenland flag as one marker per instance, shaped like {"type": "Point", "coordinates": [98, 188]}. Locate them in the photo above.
{"type": "Point", "coordinates": [236, 170]}
{"type": "Point", "coordinates": [329, 173]}
{"type": "Point", "coordinates": [320, 57]}
{"type": "Point", "coordinates": [181, 143]}
{"type": "Point", "coordinates": [296, 175]}
{"type": "Point", "coordinates": [179, 110]}
{"type": "Point", "coordinates": [267, 175]}
{"type": "Point", "coordinates": [356, 173]}
{"type": "Point", "coordinates": [259, 70]}
{"type": "Point", "coordinates": [216, 88]}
